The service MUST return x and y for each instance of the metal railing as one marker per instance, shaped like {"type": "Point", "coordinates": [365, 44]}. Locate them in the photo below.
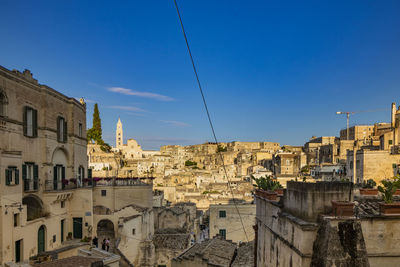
{"type": "Point", "coordinates": [73, 183]}
{"type": "Point", "coordinates": [67, 184]}
{"type": "Point", "coordinates": [31, 185]}
{"type": "Point", "coordinates": [121, 181]}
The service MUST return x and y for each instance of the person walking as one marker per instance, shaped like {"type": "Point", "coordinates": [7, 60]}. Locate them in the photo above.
{"type": "Point", "coordinates": [108, 244]}
{"type": "Point", "coordinates": [96, 242]}
{"type": "Point", "coordinates": [103, 244]}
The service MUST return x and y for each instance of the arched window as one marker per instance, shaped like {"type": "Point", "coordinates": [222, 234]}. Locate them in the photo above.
{"type": "Point", "coordinates": [3, 104]}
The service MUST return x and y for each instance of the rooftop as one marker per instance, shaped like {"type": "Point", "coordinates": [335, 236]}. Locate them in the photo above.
{"type": "Point", "coordinates": [171, 239]}
{"type": "Point", "coordinates": [216, 252]}
{"type": "Point", "coordinates": [245, 255]}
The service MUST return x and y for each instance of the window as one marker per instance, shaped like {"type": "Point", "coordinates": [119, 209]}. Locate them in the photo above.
{"type": "Point", "coordinates": [103, 193]}
{"type": "Point", "coordinates": [222, 213]}
{"type": "Point", "coordinates": [30, 122]}
{"type": "Point", "coordinates": [287, 162]}
{"type": "Point", "coordinates": [54, 238]}
{"type": "Point", "coordinates": [81, 175]}
{"type": "Point", "coordinates": [16, 219]}
{"type": "Point", "coordinates": [62, 204]}
{"type": "Point", "coordinates": [58, 177]}
{"type": "Point", "coordinates": [133, 231]}
{"type": "Point", "coordinates": [30, 176]}
{"type": "Point", "coordinates": [61, 130]}
{"type": "Point", "coordinates": [12, 176]}
{"type": "Point", "coordinates": [3, 104]}
{"type": "Point", "coordinates": [80, 130]}
{"type": "Point", "coordinates": [390, 142]}
{"type": "Point", "coordinates": [351, 164]}
{"type": "Point", "coordinates": [222, 233]}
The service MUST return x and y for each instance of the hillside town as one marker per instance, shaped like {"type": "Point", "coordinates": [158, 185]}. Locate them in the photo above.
{"type": "Point", "coordinates": [70, 199]}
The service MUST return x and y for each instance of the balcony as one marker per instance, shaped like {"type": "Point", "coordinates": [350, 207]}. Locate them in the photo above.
{"type": "Point", "coordinates": [67, 184]}
{"type": "Point", "coordinates": [30, 185]}
{"type": "Point", "coordinates": [114, 181]}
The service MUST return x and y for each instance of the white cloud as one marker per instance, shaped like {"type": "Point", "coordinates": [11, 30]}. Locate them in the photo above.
{"type": "Point", "coordinates": [127, 108]}
{"type": "Point", "coordinates": [176, 123]}
{"type": "Point", "coordinates": [127, 91]}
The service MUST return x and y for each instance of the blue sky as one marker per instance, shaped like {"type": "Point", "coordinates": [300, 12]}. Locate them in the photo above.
{"type": "Point", "coordinates": [271, 71]}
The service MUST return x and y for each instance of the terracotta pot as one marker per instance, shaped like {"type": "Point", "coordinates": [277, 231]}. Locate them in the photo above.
{"type": "Point", "coordinates": [397, 192]}
{"type": "Point", "coordinates": [389, 208]}
{"type": "Point", "coordinates": [259, 193]}
{"type": "Point", "coordinates": [279, 191]}
{"type": "Point", "coordinates": [270, 195]}
{"type": "Point", "coordinates": [342, 208]}
{"type": "Point", "coordinates": [369, 191]}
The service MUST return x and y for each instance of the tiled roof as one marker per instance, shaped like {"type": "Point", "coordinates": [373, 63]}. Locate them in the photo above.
{"type": "Point", "coordinates": [245, 255]}
{"type": "Point", "coordinates": [216, 252]}
{"type": "Point", "coordinates": [175, 241]}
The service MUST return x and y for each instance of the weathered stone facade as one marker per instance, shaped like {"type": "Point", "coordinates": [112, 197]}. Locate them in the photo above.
{"type": "Point", "coordinates": [42, 148]}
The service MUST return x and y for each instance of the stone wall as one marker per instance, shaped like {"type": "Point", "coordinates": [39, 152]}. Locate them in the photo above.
{"type": "Point", "coordinates": [308, 200]}
{"type": "Point", "coordinates": [282, 240]}
{"type": "Point", "coordinates": [232, 223]}
{"type": "Point", "coordinates": [340, 243]}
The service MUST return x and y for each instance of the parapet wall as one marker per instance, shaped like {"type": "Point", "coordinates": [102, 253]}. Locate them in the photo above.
{"type": "Point", "coordinates": [308, 200]}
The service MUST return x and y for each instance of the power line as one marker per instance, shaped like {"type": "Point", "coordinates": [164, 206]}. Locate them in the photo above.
{"type": "Point", "coordinates": [208, 114]}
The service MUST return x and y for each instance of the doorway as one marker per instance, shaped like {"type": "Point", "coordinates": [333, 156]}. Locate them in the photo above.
{"type": "Point", "coordinates": [77, 225]}
{"type": "Point", "coordinates": [18, 252]}
{"type": "Point", "coordinates": [41, 239]}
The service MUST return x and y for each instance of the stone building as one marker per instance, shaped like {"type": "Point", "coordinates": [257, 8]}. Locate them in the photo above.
{"type": "Point", "coordinates": [170, 243]}
{"type": "Point", "coordinates": [288, 163]}
{"type": "Point", "coordinates": [43, 165]}
{"type": "Point", "coordinates": [122, 211]}
{"type": "Point", "coordinates": [213, 252]}
{"type": "Point", "coordinates": [358, 132]}
{"type": "Point", "coordinates": [300, 230]}
{"type": "Point", "coordinates": [102, 163]}
{"type": "Point", "coordinates": [224, 221]}
{"type": "Point", "coordinates": [216, 252]}
{"type": "Point", "coordinates": [246, 146]}
{"type": "Point", "coordinates": [312, 148]}
{"type": "Point", "coordinates": [367, 164]}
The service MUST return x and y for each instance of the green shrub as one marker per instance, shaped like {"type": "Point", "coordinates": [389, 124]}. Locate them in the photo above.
{"type": "Point", "coordinates": [389, 188]}
{"type": "Point", "coordinates": [266, 183]}
{"type": "Point", "coordinates": [370, 183]}
{"type": "Point", "coordinates": [190, 163]}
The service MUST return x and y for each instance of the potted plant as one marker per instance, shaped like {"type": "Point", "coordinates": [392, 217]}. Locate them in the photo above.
{"type": "Point", "coordinates": [389, 207]}
{"type": "Point", "coordinates": [266, 187]}
{"type": "Point", "coordinates": [342, 208]}
{"type": "Point", "coordinates": [73, 180]}
{"type": "Point", "coordinates": [368, 188]}
{"type": "Point", "coordinates": [278, 188]}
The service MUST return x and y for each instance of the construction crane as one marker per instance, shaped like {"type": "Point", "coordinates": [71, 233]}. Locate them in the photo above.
{"type": "Point", "coordinates": [348, 117]}
{"type": "Point", "coordinates": [348, 113]}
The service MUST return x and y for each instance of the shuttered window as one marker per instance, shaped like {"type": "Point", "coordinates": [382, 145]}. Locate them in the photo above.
{"type": "Point", "coordinates": [12, 176]}
{"type": "Point", "coordinates": [61, 130]}
{"type": "Point", "coordinates": [30, 124]}
{"type": "Point", "coordinates": [30, 176]}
